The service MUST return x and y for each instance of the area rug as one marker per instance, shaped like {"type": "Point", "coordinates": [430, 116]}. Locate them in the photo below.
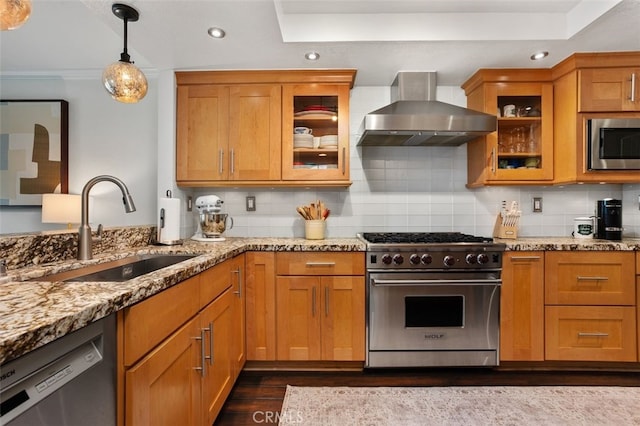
{"type": "Point", "coordinates": [461, 405]}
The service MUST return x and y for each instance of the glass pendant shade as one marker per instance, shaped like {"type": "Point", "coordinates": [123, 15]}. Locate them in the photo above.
{"type": "Point", "coordinates": [124, 82]}
{"type": "Point", "coordinates": [14, 13]}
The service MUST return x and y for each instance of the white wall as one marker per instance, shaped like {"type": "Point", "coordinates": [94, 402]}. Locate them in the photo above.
{"type": "Point", "coordinates": [105, 137]}
{"type": "Point", "coordinates": [394, 189]}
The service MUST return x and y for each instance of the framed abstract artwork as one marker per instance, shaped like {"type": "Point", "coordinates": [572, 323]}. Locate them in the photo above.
{"type": "Point", "coordinates": [34, 150]}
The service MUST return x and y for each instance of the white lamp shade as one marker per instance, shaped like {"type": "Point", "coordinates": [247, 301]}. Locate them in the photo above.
{"type": "Point", "coordinates": [61, 208]}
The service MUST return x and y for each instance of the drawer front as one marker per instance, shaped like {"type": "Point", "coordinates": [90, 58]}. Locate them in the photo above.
{"type": "Point", "coordinates": [590, 278]}
{"type": "Point", "coordinates": [590, 333]}
{"type": "Point", "coordinates": [214, 281]}
{"type": "Point", "coordinates": [149, 322]}
{"type": "Point", "coordinates": [320, 263]}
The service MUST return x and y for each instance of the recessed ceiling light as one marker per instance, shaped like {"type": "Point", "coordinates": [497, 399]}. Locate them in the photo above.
{"type": "Point", "coordinates": [216, 32]}
{"type": "Point", "coordinates": [539, 55]}
{"type": "Point", "coordinates": [312, 56]}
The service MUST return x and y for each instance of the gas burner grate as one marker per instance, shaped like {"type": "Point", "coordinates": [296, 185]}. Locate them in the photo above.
{"type": "Point", "coordinates": [422, 237]}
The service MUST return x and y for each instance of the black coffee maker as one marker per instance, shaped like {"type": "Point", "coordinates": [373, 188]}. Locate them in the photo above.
{"type": "Point", "coordinates": [609, 219]}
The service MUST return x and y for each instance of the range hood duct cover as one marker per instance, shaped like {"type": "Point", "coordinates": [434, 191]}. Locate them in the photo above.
{"type": "Point", "coordinates": [415, 118]}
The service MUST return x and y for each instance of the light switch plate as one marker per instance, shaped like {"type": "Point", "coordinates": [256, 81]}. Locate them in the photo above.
{"type": "Point", "coordinates": [537, 204]}
{"type": "Point", "coordinates": [251, 203]}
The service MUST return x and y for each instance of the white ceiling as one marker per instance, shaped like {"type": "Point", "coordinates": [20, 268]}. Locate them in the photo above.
{"type": "Point", "coordinates": [377, 37]}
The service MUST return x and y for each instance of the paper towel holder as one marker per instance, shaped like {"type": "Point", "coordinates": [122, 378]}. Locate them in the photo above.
{"type": "Point", "coordinates": [162, 216]}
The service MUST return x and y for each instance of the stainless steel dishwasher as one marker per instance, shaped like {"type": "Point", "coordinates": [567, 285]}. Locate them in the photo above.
{"type": "Point", "coordinates": [70, 381]}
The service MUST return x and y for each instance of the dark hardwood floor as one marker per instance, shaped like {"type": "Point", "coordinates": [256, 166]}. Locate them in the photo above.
{"type": "Point", "coordinates": [257, 396]}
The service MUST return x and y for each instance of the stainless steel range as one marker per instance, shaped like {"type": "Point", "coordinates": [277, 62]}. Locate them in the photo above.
{"type": "Point", "coordinates": [433, 299]}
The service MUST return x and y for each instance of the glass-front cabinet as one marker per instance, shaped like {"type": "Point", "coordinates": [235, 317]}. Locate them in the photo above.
{"type": "Point", "coordinates": [521, 150]}
{"type": "Point", "coordinates": [315, 132]}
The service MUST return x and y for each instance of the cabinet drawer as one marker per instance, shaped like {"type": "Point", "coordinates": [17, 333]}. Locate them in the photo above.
{"type": "Point", "coordinates": [214, 281]}
{"type": "Point", "coordinates": [324, 263]}
{"type": "Point", "coordinates": [149, 322]}
{"type": "Point", "coordinates": [590, 278]}
{"type": "Point", "coordinates": [590, 333]}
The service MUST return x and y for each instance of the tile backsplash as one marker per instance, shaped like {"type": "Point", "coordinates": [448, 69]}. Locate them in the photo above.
{"type": "Point", "coordinates": [414, 189]}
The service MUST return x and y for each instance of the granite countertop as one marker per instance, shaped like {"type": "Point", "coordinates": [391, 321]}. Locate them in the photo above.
{"type": "Point", "coordinates": [33, 313]}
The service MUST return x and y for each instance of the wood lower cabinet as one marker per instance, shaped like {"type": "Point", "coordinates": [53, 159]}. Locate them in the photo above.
{"type": "Point", "coordinates": [522, 306]}
{"type": "Point", "coordinates": [590, 311]}
{"type": "Point", "coordinates": [181, 350]}
{"type": "Point", "coordinates": [261, 306]}
{"type": "Point", "coordinates": [321, 300]}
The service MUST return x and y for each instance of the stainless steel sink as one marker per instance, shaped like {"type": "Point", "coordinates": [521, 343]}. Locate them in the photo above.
{"type": "Point", "coordinates": [119, 270]}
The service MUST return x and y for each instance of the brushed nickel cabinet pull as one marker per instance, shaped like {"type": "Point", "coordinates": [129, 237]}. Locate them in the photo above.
{"type": "Point", "coordinates": [232, 160]}
{"type": "Point", "coordinates": [326, 301]}
{"type": "Point", "coordinates": [633, 87]}
{"type": "Point", "coordinates": [344, 157]}
{"type": "Point", "coordinates": [582, 334]}
{"type": "Point", "coordinates": [221, 162]}
{"type": "Point", "coordinates": [582, 278]}
{"type": "Point", "coordinates": [202, 353]}
{"type": "Point", "coordinates": [525, 258]}
{"type": "Point", "coordinates": [210, 357]}
{"type": "Point", "coordinates": [239, 292]}
{"type": "Point", "coordinates": [312, 264]}
{"type": "Point", "coordinates": [493, 160]}
{"type": "Point", "coordinates": [313, 301]}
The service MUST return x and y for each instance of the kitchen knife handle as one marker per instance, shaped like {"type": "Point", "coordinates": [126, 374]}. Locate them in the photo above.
{"type": "Point", "coordinates": [633, 87]}
{"type": "Point", "coordinates": [221, 161]}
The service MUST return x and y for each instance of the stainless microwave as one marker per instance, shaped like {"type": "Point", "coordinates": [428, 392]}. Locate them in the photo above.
{"type": "Point", "coordinates": [613, 144]}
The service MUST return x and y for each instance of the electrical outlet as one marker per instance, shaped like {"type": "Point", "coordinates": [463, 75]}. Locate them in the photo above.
{"type": "Point", "coordinates": [537, 204]}
{"type": "Point", "coordinates": [189, 203]}
{"type": "Point", "coordinates": [251, 203]}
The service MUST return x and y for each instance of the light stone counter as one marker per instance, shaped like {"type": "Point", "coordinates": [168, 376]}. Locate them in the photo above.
{"type": "Point", "coordinates": [33, 313]}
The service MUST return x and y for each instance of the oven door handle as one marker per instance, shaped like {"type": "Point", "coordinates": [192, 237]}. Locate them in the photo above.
{"type": "Point", "coordinates": [393, 283]}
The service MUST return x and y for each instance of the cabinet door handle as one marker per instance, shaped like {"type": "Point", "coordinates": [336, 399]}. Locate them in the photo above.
{"type": "Point", "coordinates": [202, 353]}
{"type": "Point", "coordinates": [582, 278]}
{"type": "Point", "coordinates": [326, 301]}
{"type": "Point", "coordinates": [239, 292]}
{"type": "Point", "coordinates": [313, 301]}
{"type": "Point", "coordinates": [221, 162]}
{"type": "Point", "coordinates": [525, 258]}
{"type": "Point", "coordinates": [493, 160]}
{"type": "Point", "coordinates": [584, 334]}
{"type": "Point", "coordinates": [312, 264]}
{"type": "Point", "coordinates": [210, 330]}
{"type": "Point", "coordinates": [232, 160]}
{"type": "Point", "coordinates": [344, 157]}
{"type": "Point", "coordinates": [633, 87]}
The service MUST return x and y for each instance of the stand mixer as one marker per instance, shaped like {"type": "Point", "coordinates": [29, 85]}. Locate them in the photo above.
{"type": "Point", "coordinates": [211, 223]}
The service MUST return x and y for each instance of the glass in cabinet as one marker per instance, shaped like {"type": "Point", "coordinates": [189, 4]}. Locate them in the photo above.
{"type": "Point", "coordinates": [315, 132]}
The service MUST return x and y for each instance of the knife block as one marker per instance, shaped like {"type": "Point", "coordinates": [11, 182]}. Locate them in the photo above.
{"type": "Point", "coordinates": [503, 231]}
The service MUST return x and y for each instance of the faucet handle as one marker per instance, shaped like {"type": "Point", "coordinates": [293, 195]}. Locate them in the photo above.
{"type": "Point", "coordinates": [98, 236]}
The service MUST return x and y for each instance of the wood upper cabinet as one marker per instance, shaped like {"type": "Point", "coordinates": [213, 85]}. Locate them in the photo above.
{"type": "Point", "coordinates": [521, 150]}
{"type": "Point", "coordinates": [228, 133]}
{"type": "Point", "coordinates": [235, 128]}
{"type": "Point", "coordinates": [522, 306]}
{"type": "Point", "coordinates": [321, 301]}
{"type": "Point", "coordinates": [324, 109]}
{"type": "Point", "coordinates": [609, 89]}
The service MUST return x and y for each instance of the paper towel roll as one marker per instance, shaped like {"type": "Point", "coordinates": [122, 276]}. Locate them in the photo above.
{"type": "Point", "coordinates": [168, 220]}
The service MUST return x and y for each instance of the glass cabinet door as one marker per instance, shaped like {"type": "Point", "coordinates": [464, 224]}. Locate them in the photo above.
{"type": "Point", "coordinates": [315, 132]}
{"type": "Point", "coordinates": [522, 148]}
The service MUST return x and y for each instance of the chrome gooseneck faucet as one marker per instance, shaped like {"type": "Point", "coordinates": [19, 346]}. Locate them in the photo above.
{"type": "Point", "coordinates": [85, 240]}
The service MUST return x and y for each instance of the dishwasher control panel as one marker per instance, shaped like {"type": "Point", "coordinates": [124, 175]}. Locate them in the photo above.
{"type": "Point", "coordinates": [45, 379]}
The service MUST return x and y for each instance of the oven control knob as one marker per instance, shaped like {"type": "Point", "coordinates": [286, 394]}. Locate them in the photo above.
{"type": "Point", "coordinates": [449, 261]}
{"type": "Point", "coordinates": [386, 259]}
{"type": "Point", "coordinates": [426, 259]}
{"type": "Point", "coordinates": [398, 259]}
{"type": "Point", "coordinates": [483, 258]}
{"type": "Point", "coordinates": [471, 259]}
{"type": "Point", "coordinates": [414, 259]}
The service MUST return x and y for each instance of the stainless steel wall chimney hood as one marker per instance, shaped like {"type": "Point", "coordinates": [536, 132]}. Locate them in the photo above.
{"type": "Point", "coordinates": [415, 118]}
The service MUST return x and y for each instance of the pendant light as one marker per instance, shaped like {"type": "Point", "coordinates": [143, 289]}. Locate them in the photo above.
{"type": "Point", "coordinates": [14, 13]}
{"type": "Point", "coordinates": [123, 80]}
